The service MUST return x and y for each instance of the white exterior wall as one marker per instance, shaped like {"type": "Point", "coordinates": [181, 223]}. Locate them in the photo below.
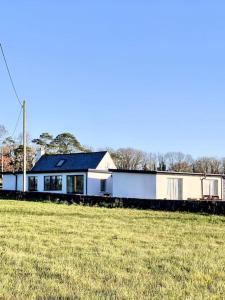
{"type": "Point", "coordinates": [64, 181]}
{"type": "Point", "coordinates": [91, 182]}
{"type": "Point", "coordinates": [134, 185]}
{"type": "Point", "coordinates": [191, 189]}
{"type": "Point", "coordinates": [94, 183]}
{"type": "Point", "coordinates": [40, 177]}
{"type": "Point", "coordinates": [9, 182]}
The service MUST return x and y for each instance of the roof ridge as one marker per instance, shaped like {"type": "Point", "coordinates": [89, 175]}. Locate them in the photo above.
{"type": "Point", "coordinates": [74, 153]}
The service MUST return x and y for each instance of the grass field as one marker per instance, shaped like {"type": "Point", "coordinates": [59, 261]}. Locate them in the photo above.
{"type": "Point", "coordinates": [51, 251]}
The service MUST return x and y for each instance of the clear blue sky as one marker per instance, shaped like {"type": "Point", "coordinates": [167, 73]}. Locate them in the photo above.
{"type": "Point", "coordinates": [145, 74]}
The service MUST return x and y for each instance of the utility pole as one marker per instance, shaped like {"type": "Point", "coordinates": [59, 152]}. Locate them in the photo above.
{"type": "Point", "coordinates": [24, 147]}
{"type": "Point", "coordinates": [2, 159]}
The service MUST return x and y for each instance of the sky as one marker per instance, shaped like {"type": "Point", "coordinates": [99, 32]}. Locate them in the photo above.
{"type": "Point", "coordinates": [118, 73]}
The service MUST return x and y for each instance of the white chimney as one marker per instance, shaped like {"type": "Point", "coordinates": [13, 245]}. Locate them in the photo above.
{"type": "Point", "coordinates": [39, 153]}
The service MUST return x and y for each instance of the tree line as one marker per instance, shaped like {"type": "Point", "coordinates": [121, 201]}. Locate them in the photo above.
{"type": "Point", "coordinates": [124, 158]}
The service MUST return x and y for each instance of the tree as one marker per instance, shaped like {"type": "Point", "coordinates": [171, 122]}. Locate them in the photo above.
{"type": "Point", "coordinates": [161, 162]}
{"type": "Point", "coordinates": [128, 158]}
{"type": "Point", "coordinates": [179, 162]}
{"type": "Point", "coordinates": [45, 141]}
{"type": "Point", "coordinates": [66, 143]}
{"type": "Point", "coordinates": [182, 167]}
{"type": "Point", "coordinates": [18, 158]}
{"type": "Point", "coordinates": [3, 131]}
{"type": "Point", "coordinates": [208, 165]}
{"type": "Point", "coordinates": [149, 162]}
{"type": "Point", "coordinates": [9, 146]}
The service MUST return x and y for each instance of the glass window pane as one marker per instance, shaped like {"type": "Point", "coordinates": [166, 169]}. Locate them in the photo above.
{"type": "Point", "coordinates": [79, 186]}
{"type": "Point", "coordinates": [75, 184]}
{"type": "Point", "coordinates": [103, 185]}
{"type": "Point", "coordinates": [70, 184]}
{"type": "Point", "coordinates": [47, 183]}
{"type": "Point", "coordinates": [32, 183]}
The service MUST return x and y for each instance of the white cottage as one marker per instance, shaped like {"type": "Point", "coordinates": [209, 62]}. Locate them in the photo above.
{"type": "Point", "coordinates": [77, 173]}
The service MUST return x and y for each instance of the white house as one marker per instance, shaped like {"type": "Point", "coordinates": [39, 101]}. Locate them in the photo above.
{"type": "Point", "coordinates": [166, 185]}
{"type": "Point", "coordinates": [78, 173]}
{"type": "Point", "coordinates": [95, 174]}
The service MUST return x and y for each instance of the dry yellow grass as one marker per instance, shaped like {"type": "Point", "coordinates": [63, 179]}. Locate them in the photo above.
{"type": "Point", "coordinates": [51, 251]}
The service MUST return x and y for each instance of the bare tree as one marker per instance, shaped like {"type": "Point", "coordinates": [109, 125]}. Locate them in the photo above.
{"type": "Point", "coordinates": [129, 158]}
{"type": "Point", "coordinates": [161, 159]}
{"type": "Point", "coordinates": [179, 162]}
{"type": "Point", "coordinates": [149, 161]}
{"type": "Point", "coordinates": [3, 131]}
{"type": "Point", "coordinates": [208, 165]}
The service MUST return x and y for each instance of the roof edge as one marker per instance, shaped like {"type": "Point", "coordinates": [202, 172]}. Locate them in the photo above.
{"type": "Point", "coordinates": [164, 172]}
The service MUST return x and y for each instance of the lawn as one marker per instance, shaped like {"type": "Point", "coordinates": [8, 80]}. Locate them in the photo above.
{"type": "Point", "coordinates": [52, 251]}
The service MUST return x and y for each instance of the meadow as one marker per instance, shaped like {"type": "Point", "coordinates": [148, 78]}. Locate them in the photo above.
{"type": "Point", "coordinates": [54, 251]}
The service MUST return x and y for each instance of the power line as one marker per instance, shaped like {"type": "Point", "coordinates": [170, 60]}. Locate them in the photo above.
{"type": "Point", "coordinates": [10, 77]}
{"type": "Point", "coordinates": [17, 123]}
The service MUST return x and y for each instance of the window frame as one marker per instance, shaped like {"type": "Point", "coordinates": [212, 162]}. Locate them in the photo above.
{"type": "Point", "coordinates": [171, 181]}
{"type": "Point", "coordinates": [60, 163]}
{"type": "Point", "coordinates": [102, 185]}
{"type": "Point", "coordinates": [35, 178]}
{"type": "Point", "coordinates": [55, 183]}
{"type": "Point", "coordinates": [74, 184]}
{"type": "Point", "coordinates": [211, 184]}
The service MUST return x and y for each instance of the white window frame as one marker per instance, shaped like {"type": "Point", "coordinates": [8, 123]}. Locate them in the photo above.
{"type": "Point", "coordinates": [175, 188]}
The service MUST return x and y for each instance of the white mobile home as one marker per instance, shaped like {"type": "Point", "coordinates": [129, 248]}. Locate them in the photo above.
{"type": "Point", "coordinates": [166, 185]}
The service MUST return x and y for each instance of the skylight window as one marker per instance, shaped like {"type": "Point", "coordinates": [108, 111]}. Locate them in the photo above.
{"type": "Point", "coordinates": [60, 163]}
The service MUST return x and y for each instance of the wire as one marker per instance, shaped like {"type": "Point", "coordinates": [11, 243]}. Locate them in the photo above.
{"type": "Point", "coordinates": [17, 123]}
{"type": "Point", "coordinates": [10, 77]}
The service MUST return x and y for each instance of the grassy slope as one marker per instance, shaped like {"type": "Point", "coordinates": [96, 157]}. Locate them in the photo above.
{"type": "Point", "coordinates": [51, 251]}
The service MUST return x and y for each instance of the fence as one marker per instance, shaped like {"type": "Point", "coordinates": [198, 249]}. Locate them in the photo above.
{"type": "Point", "coordinates": [203, 206]}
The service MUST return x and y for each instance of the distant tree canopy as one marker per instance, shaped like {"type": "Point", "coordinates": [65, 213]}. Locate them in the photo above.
{"type": "Point", "coordinates": [62, 143]}
{"type": "Point", "coordinates": [129, 158]}
{"type": "Point", "coordinates": [13, 155]}
{"type": "Point", "coordinates": [124, 158]}
{"type": "Point", "coordinates": [44, 140]}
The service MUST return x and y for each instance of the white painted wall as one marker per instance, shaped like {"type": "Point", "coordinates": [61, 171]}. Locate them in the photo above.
{"type": "Point", "coordinates": [94, 183]}
{"type": "Point", "coordinates": [128, 185]}
{"type": "Point", "coordinates": [134, 185]}
{"type": "Point", "coordinates": [9, 182]}
{"type": "Point", "coordinates": [192, 187]}
{"type": "Point", "coordinates": [64, 181]}
{"type": "Point", "coordinates": [106, 163]}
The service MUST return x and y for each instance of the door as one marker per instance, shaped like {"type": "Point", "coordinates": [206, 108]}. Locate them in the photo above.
{"type": "Point", "coordinates": [174, 188]}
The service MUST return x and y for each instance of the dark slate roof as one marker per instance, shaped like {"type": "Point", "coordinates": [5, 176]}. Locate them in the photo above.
{"type": "Point", "coordinates": [73, 162]}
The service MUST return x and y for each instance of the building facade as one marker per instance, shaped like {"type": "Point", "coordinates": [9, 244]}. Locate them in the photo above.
{"type": "Point", "coordinates": [167, 185]}
{"type": "Point", "coordinates": [79, 173]}
{"type": "Point", "coordinates": [95, 174]}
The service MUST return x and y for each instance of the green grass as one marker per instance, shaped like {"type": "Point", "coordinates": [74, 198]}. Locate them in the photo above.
{"type": "Point", "coordinates": [51, 251]}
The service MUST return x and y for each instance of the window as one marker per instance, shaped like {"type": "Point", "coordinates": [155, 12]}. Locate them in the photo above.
{"type": "Point", "coordinates": [60, 163]}
{"type": "Point", "coordinates": [75, 184]}
{"type": "Point", "coordinates": [32, 183]}
{"type": "Point", "coordinates": [103, 185]}
{"type": "Point", "coordinates": [174, 188]}
{"type": "Point", "coordinates": [53, 183]}
{"type": "Point", "coordinates": [210, 187]}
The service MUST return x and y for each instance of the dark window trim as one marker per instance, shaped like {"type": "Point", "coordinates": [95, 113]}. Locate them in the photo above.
{"type": "Point", "coordinates": [102, 185]}
{"type": "Point", "coordinates": [76, 175]}
{"type": "Point", "coordinates": [35, 178]}
{"type": "Point", "coordinates": [51, 186]}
